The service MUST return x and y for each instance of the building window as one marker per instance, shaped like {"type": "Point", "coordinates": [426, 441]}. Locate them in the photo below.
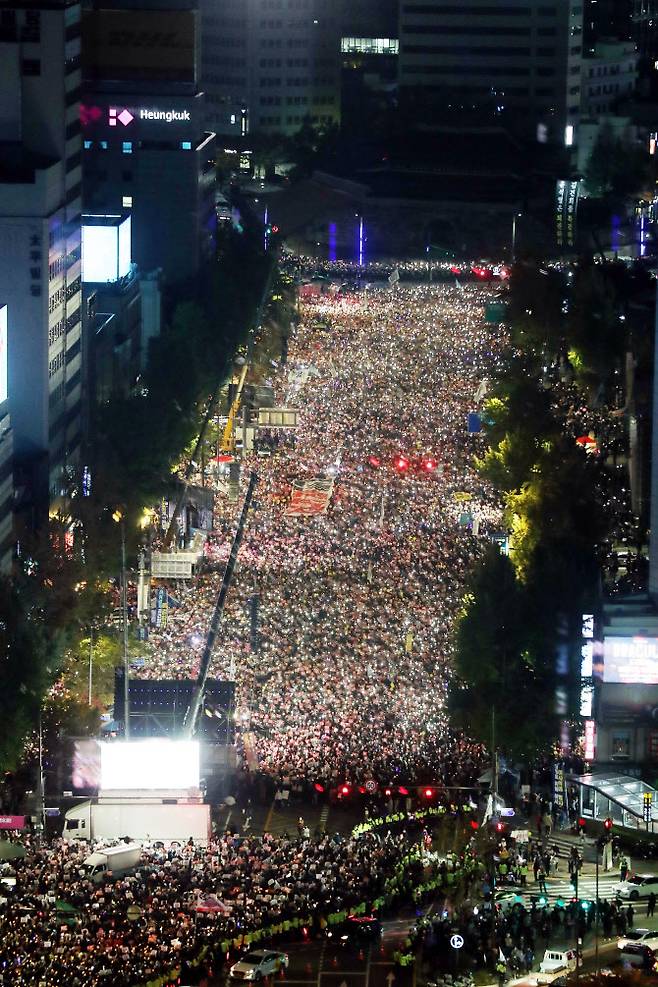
{"type": "Point", "coordinates": [103, 145]}
{"type": "Point", "coordinates": [127, 201]}
{"type": "Point", "coordinates": [186, 145]}
{"type": "Point", "coordinates": [127, 147]}
{"type": "Point", "coordinates": [620, 744]}
{"type": "Point", "coordinates": [88, 145]}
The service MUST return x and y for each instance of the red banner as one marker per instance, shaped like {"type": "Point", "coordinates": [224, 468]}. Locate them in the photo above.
{"type": "Point", "coordinates": [309, 497]}
{"type": "Point", "coordinates": [12, 822]}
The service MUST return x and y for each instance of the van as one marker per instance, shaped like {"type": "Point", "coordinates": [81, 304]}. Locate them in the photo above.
{"type": "Point", "coordinates": [556, 963]}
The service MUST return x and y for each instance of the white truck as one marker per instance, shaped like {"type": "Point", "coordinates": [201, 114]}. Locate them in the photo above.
{"type": "Point", "coordinates": [116, 859]}
{"type": "Point", "coordinates": [148, 819]}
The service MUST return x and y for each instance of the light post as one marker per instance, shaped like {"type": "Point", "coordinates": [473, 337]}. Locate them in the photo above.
{"type": "Point", "coordinates": [41, 802]}
{"type": "Point", "coordinates": [514, 219]}
{"type": "Point", "coordinates": [91, 660]}
{"type": "Point", "coordinates": [596, 913]}
{"type": "Point", "coordinates": [118, 518]}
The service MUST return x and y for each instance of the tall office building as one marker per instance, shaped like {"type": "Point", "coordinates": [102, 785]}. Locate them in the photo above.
{"type": "Point", "coordinates": [7, 495]}
{"type": "Point", "coordinates": [606, 20]}
{"type": "Point", "coordinates": [145, 148]}
{"type": "Point", "coordinates": [519, 60]}
{"type": "Point", "coordinates": [270, 65]}
{"type": "Point", "coordinates": [40, 185]}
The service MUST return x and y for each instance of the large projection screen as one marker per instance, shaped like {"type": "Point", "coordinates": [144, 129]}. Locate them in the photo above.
{"type": "Point", "coordinates": [631, 660]}
{"type": "Point", "coordinates": [150, 764]}
{"type": "Point", "coordinates": [99, 253]}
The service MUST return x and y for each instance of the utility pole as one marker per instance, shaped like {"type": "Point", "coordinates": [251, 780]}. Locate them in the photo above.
{"type": "Point", "coordinates": [124, 620]}
{"type": "Point", "coordinates": [596, 913]}
{"type": "Point", "coordinates": [494, 762]}
{"type": "Point", "coordinates": [41, 804]}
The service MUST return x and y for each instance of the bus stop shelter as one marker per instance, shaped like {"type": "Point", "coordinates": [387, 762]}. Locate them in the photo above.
{"type": "Point", "coordinates": [619, 797]}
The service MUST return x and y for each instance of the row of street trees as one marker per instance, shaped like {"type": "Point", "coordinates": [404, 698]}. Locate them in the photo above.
{"type": "Point", "coordinates": [564, 356]}
{"type": "Point", "coordinates": [66, 589]}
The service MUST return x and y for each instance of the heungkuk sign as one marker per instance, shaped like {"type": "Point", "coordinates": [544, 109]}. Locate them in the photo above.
{"type": "Point", "coordinates": [124, 116]}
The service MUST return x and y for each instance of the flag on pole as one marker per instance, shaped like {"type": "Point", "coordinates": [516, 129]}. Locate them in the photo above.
{"type": "Point", "coordinates": [394, 276]}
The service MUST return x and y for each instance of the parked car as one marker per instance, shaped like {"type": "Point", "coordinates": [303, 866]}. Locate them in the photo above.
{"type": "Point", "coordinates": [639, 955]}
{"type": "Point", "coordinates": [258, 964]}
{"type": "Point", "coordinates": [638, 886]}
{"type": "Point", "coordinates": [637, 937]}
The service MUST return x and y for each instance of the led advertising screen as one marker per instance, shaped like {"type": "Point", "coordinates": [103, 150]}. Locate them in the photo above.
{"type": "Point", "coordinates": [3, 353]}
{"type": "Point", "coordinates": [150, 764]}
{"type": "Point", "coordinates": [99, 254]}
{"type": "Point", "coordinates": [631, 660]}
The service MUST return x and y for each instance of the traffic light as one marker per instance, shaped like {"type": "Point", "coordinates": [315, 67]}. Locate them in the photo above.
{"type": "Point", "coordinates": [388, 792]}
{"type": "Point", "coordinates": [344, 790]}
{"type": "Point", "coordinates": [374, 461]}
{"type": "Point", "coordinates": [475, 824]}
{"type": "Point", "coordinates": [402, 464]}
{"type": "Point", "coordinates": [543, 900]}
{"type": "Point", "coordinates": [428, 793]}
{"type": "Point", "coordinates": [402, 790]}
{"type": "Point", "coordinates": [607, 823]}
{"type": "Point", "coordinates": [500, 827]}
{"type": "Point", "coordinates": [428, 464]}
{"type": "Point", "coordinates": [585, 905]}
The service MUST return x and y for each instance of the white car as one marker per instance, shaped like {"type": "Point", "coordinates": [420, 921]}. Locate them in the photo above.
{"type": "Point", "coordinates": [639, 886]}
{"type": "Point", "coordinates": [257, 964]}
{"type": "Point", "coordinates": [636, 937]}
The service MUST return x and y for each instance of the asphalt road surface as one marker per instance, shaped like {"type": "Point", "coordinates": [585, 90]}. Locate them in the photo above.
{"type": "Point", "coordinates": [328, 963]}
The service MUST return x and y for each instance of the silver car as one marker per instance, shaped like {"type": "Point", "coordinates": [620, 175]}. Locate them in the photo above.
{"type": "Point", "coordinates": [258, 964]}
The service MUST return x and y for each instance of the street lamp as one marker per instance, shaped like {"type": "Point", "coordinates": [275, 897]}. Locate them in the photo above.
{"type": "Point", "coordinates": [117, 517]}
{"type": "Point", "coordinates": [516, 216]}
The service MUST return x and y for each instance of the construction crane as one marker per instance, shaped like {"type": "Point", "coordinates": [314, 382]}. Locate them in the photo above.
{"type": "Point", "coordinates": [199, 689]}
{"type": "Point", "coordinates": [228, 438]}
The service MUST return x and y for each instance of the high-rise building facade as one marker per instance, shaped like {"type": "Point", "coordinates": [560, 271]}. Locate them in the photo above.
{"type": "Point", "coordinates": [7, 489]}
{"type": "Point", "coordinates": [144, 144]}
{"type": "Point", "coordinates": [270, 65]}
{"type": "Point", "coordinates": [40, 205]}
{"type": "Point", "coordinates": [519, 59]}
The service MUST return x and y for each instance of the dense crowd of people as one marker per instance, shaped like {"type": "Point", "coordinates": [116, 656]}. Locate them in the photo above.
{"type": "Point", "coordinates": [58, 927]}
{"type": "Point", "coordinates": [356, 606]}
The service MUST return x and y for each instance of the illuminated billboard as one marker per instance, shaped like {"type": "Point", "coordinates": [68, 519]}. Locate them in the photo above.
{"type": "Point", "coordinates": [106, 250]}
{"type": "Point", "coordinates": [86, 768]}
{"type": "Point", "coordinates": [631, 660]}
{"type": "Point", "coordinates": [150, 764]}
{"type": "Point", "coordinates": [3, 353]}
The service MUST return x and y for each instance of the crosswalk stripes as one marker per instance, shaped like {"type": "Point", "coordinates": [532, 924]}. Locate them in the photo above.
{"type": "Point", "coordinates": [563, 889]}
